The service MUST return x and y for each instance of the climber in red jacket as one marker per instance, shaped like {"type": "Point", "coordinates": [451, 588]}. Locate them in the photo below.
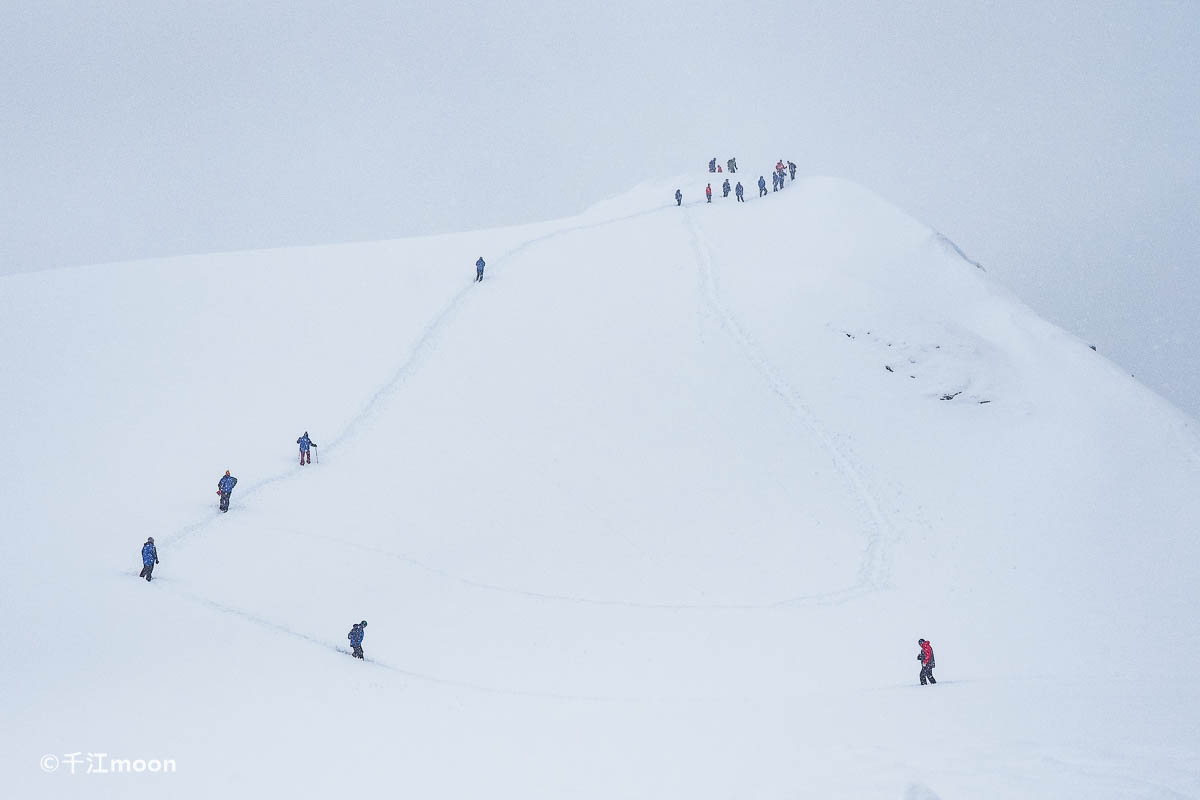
{"type": "Point", "coordinates": [926, 659]}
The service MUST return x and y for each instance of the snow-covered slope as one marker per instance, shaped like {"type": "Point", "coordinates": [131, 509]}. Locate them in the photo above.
{"type": "Point", "coordinates": [659, 509]}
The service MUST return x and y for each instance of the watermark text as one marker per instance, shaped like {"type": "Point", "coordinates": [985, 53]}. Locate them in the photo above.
{"type": "Point", "coordinates": [105, 764]}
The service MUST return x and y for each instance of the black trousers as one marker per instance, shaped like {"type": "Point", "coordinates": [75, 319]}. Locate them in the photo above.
{"type": "Point", "coordinates": [225, 500]}
{"type": "Point", "coordinates": [357, 651]}
{"type": "Point", "coordinates": [927, 674]}
{"type": "Point", "coordinates": [146, 571]}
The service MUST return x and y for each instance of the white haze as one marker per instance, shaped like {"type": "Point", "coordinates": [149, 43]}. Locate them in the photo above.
{"type": "Point", "coordinates": [1055, 142]}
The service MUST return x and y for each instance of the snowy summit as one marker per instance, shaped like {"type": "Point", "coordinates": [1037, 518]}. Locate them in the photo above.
{"type": "Point", "coordinates": [657, 506]}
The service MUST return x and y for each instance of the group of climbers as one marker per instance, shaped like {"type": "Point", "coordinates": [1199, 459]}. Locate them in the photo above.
{"type": "Point", "coordinates": [730, 165]}
{"type": "Point", "coordinates": [778, 176]}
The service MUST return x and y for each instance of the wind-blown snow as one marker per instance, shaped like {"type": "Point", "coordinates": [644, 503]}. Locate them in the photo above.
{"type": "Point", "coordinates": [659, 509]}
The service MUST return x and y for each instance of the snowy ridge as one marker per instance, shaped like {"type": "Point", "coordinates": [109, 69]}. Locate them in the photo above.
{"type": "Point", "coordinates": [658, 509]}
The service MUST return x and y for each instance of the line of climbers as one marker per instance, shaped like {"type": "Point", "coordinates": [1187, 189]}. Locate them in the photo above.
{"type": "Point", "coordinates": [227, 482]}
{"type": "Point", "coordinates": [779, 176]}
{"type": "Point", "coordinates": [225, 491]}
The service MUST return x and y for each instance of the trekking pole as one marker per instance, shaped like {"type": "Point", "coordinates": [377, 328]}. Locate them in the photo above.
{"type": "Point", "coordinates": [317, 456]}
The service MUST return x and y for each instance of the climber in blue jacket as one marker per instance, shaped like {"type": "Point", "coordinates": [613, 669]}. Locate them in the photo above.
{"type": "Point", "coordinates": [356, 636]}
{"type": "Point", "coordinates": [225, 488]}
{"type": "Point", "coordinates": [149, 559]}
{"type": "Point", "coordinates": [305, 443]}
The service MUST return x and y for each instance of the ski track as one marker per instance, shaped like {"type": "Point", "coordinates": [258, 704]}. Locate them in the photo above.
{"type": "Point", "coordinates": [256, 619]}
{"type": "Point", "coordinates": [425, 343]}
{"type": "Point", "coordinates": [263, 622]}
{"type": "Point", "coordinates": [423, 346]}
{"type": "Point", "coordinates": [875, 567]}
{"type": "Point", "coordinates": [872, 571]}
{"type": "Point", "coordinates": [174, 586]}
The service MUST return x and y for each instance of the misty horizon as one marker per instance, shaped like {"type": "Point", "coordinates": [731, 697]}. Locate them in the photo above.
{"type": "Point", "coordinates": [1057, 146]}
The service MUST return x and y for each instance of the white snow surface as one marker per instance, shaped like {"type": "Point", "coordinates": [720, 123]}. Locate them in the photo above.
{"type": "Point", "coordinates": [658, 510]}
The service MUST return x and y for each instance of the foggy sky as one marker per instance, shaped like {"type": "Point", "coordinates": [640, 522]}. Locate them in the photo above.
{"type": "Point", "coordinates": [1058, 143]}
